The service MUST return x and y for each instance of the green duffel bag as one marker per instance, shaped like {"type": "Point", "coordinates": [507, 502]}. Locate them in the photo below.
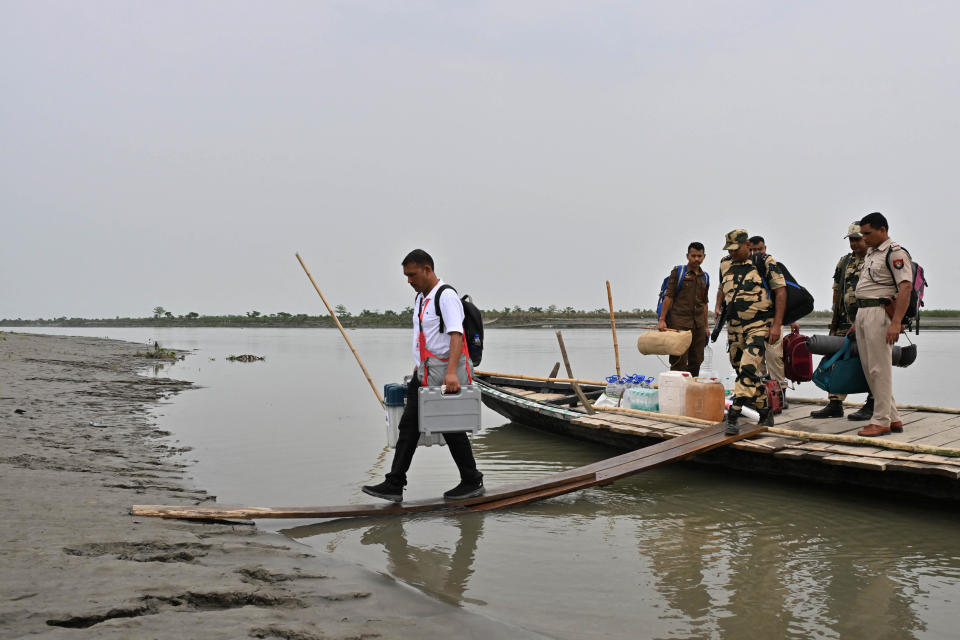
{"type": "Point", "coordinates": [841, 372]}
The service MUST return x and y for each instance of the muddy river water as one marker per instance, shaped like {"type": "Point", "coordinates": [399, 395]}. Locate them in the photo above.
{"type": "Point", "coordinates": [677, 552]}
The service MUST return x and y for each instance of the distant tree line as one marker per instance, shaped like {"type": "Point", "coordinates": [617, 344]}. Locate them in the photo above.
{"type": "Point", "coordinates": [506, 317]}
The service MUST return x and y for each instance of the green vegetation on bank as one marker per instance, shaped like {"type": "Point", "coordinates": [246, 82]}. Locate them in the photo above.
{"type": "Point", "coordinates": [506, 317]}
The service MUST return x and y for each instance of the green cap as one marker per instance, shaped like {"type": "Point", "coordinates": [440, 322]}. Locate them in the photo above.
{"type": "Point", "coordinates": [853, 231]}
{"type": "Point", "coordinates": [735, 238]}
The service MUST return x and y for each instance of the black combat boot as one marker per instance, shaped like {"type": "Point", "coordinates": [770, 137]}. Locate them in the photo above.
{"type": "Point", "coordinates": [733, 413]}
{"type": "Point", "coordinates": [834, 409]}
{"type": "Point", "coordinates": [766, 417]}
{"type": "Point", "coordinates": [863, 413]}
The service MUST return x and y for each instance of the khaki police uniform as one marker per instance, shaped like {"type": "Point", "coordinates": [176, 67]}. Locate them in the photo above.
{"type": "Point", "coordinates": [845, 278]}
{"type": "Point", "coordinates": [876, 283]}
{"type": "Point", "coordinates": [750, 314]}
{"type": "Point", "coordinates": [688, 312]}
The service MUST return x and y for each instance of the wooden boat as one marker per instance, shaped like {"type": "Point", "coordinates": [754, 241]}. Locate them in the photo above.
{"type": "Point", "coordinates": [924, 460]}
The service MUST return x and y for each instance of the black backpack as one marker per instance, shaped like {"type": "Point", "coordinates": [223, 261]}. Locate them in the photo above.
{"type": "Point", "coordinates": [472, 324]}
{"type": "Point", "coordinates": [799, 300]}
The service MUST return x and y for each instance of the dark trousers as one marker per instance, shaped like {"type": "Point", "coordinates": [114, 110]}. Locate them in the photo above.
{"type": "Point", "coordinates": [692, 358]}
{"type": "Point", "coordinates": [458, 443]}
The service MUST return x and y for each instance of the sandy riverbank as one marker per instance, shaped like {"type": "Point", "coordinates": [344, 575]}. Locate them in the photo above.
{"type": "Point", "coordinates": [78, 447]}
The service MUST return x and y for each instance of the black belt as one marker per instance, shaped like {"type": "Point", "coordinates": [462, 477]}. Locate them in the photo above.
{"type": "Point", "coordinates": [872, 302]}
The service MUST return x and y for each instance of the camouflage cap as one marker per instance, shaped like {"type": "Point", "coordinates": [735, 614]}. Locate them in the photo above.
{"type": "Point", "coordinates": [853, 231]}
{"type": "Point", "coordinates": [735, 238]}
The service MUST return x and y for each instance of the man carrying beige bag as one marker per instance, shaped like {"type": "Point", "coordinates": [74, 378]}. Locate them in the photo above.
{"type": "Point", "coordinates": [685, 308]}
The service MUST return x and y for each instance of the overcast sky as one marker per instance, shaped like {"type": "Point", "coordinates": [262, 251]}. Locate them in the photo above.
{"type": "Point", "coordinates": [179, 153]}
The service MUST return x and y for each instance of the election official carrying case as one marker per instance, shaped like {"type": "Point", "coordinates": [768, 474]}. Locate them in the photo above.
{"type": "Point", "coordinates": [449, 412]}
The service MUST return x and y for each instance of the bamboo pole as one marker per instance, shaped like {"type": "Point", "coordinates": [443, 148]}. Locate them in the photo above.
{"type": "Point", "coordinates": [613, 326]}
{"type": "Point", "coordinates": [667, 417]}
{"type": "Point", "coordinates": [904, 407]}
{"type": "Point", "coordinates": [871, 442]}
{"type": "Point", "coordinates": [517, 376]}
{"type": "Point", "coordinates": [576, 387]}
{"type": "Point", "coordinates": [336, 321]}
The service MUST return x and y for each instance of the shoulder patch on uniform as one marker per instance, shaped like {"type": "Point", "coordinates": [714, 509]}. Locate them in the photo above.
{"type": "Point", "coordinates": [898, 264]}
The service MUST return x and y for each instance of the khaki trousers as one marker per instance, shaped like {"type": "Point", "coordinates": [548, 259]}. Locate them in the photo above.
{"type": "Point", "coordinates": [876, 356]}
{"type": "Point", "coordinates": [773, 363]}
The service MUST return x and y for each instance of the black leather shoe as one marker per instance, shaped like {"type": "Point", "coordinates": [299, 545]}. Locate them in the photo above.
{"type": "Point", "coordinates": [385, 491]}
{"type": "Point", "coordinates": [863, 413]}
{"type": "Point", "coordinates": [834, 409]}
{"type": "Point", "coordinates": [466, 489]}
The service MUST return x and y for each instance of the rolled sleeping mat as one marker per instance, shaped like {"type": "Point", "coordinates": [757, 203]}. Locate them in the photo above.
{"type": "Point", "coordinates": [664, 343]}
{"type": "Point", "coordinates": [829, 345]}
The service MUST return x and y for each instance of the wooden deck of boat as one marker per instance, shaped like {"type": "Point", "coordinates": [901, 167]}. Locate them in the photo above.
{"type": "Point", "coordinates": [920, 427]}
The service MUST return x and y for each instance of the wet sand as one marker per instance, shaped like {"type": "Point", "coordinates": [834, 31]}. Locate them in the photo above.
{"type": "Point", "coordinates": [78, 447]}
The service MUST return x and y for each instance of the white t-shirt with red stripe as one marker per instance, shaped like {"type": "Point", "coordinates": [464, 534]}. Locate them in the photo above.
{"type": "Point", "coordinates": [452, 309]}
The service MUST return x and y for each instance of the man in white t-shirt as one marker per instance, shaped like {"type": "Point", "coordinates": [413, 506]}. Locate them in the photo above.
{"type": "Point", "coordinates": [441, 359]}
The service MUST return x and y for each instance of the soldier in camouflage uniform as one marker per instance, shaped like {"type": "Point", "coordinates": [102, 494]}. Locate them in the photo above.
{"type": "Point", "coordinates": [845, 278]}
{"type": "Point", "coordinates": [753, 320]}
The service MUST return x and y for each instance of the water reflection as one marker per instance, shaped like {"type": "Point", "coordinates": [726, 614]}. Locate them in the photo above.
{"type": "Point", "coordinates": [676, 553]}
{"type": "Point", "coordinates": [432, 568]}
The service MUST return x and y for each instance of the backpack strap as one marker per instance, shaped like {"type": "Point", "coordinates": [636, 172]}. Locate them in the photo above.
{"type": "Point", "coordinates": [760, 264]}
{"type": "Point", "coordinates": [890, 264]}
{"type": "Point", "coordinates": [436, 304]}
{"type": "Point", "coordinates": [681, 274]}
{"type": "Point", "coordinates": [463, 342]}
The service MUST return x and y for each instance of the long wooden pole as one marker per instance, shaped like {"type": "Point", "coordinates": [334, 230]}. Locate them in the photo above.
{"type": "Point", "coordinates": [668, 417]}
{"type": "Point", "coordinates": [576, 387]}
{"type": "Point", "coordinates": [517, 376]}
{"type": "Point", "coordinates": [870, 442]}
{"type": "Point", "coordinates": [336, 321]}
{"type": "Point", "coordinates": [613, 326]}
{"type": "Point", "coordinates": [904, 407]}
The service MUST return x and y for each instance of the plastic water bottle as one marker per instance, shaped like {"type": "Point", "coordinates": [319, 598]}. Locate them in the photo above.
{"type": "Point", "coordinates": [652, 402]}
{"type": "Point", "coordinates": [706, 369]}
{"type": "Point", "coordinates": [729, 384]}
{"type": "Point", "coordinates": [614, 387]}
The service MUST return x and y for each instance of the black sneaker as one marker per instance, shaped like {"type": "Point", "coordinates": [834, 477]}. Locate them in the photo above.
{"type": "Point", "coordinates": [385, 491]}
{"type": "Point", "coordinates": [466, 489]}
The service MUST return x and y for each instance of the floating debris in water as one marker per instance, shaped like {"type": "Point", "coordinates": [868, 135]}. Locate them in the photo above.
{"type": "Point", "coordinates": [246, 357]}
{"type": "Point", "coordinates": [159, 353]}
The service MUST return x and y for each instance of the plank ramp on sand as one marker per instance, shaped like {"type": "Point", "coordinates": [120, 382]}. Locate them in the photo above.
{"type": "Point", "coordinates": [599, 473]}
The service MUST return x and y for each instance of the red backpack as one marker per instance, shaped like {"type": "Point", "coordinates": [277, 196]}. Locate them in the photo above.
{"type": "Point", "coordinates": [797, 359]}
{"type": "Point", "coordinates": [775, 399]}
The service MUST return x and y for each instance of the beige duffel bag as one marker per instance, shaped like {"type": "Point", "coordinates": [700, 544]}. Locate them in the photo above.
{"type": "Point", "coordinates": [664, 343]}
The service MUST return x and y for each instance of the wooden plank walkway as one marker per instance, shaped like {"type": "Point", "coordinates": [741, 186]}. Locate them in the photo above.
{"type": "Point", "coordinates": [599, 473]}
